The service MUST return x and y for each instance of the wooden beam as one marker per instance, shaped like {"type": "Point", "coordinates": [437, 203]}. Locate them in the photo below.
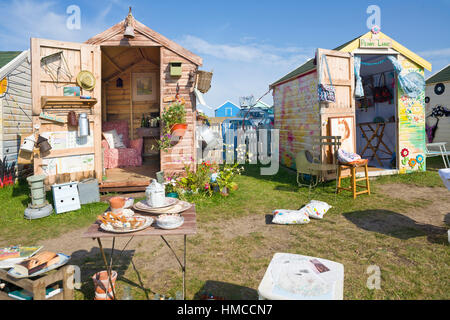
{"type": "Point", "coordinates": [124, 70]}
{"type": "Point", "coordinates": [147, 58]}
{"type": "Point", "coordinates": [112, 61]}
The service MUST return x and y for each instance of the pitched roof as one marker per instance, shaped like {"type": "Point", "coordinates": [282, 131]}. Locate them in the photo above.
{"type": "Point", "coordinates": [306, 67]}
{"type": "Point", "coordinates": [225, 103]}
{"type": "Point", "coordinates": [7, 56]}
{"type": "Point", "coordinates": [349, 47]}
{"type": "Point", "coordinates": [440, 76]}
{"type": "Point", "coordinates": [151, 35]}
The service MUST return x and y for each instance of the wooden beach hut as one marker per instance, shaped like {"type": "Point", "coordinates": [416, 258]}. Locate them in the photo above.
{"type": "Point", "coordinates": [15, 102]}
{"type": "Point", "coordinates": [138, 73]}
{"type": "Point", "coordinates": [389, 131]}
{"type": "Point", "coordinates": [437, 101]}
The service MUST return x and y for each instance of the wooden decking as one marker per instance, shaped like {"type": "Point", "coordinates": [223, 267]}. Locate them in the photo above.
{"type": "Point", "coordinates": [129, 179]}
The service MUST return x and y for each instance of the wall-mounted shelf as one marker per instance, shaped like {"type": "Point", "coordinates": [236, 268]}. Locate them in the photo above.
{"type": "Point", "coordinates": [63, 101]}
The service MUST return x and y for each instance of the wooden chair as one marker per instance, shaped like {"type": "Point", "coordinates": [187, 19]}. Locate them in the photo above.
{"type": "Point", "coordinates": [312, 163]}
{"type": "Point", "coordinates": [353, 166]}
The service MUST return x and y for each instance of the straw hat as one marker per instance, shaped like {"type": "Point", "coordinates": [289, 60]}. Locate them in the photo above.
{"type": "Point", "coordinates": [86, 80]}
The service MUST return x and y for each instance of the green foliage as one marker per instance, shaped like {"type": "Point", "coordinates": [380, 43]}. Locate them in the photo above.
{"type": "Point", "coordinates": [175, 113]}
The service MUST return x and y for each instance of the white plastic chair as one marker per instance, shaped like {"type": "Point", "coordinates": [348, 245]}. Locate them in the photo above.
{"type": "Point", "coordinates": [435, 153]}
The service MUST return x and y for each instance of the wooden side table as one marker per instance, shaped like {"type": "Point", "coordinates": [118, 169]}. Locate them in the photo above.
{"type": "Point", "coordinates": [147, 134]}
{"type": "Point", "coordinates": [39, 284]}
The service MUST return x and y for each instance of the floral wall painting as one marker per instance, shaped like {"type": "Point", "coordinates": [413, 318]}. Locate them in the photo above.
{"type": "Point", "coordinates": [144, 86]}
{"type": "Point", "coordinates": [344, 127]}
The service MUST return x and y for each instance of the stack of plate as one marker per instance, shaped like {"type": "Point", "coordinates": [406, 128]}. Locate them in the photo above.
{"type": "Point", "coordinates": [171, 206]}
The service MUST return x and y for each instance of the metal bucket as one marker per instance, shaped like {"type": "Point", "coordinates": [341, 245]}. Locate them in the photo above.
{"type": "Point", "coordinates": [38, 194]}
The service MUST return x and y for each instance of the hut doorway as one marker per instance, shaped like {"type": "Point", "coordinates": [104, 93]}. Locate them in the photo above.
{"type": "Point", "coordinates": [376, 113]}
{"type": "Point", "coordinates": [130, 105]}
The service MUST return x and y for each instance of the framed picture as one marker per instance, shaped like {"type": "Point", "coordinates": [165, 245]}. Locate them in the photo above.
{"type": "Point", "coordinates": [144, 86]}
{"type": "Point", "coordinates": [344, 127]}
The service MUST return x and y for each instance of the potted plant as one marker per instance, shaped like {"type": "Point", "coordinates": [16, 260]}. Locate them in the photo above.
{"type": "Point", "coordinates": [174, 118]}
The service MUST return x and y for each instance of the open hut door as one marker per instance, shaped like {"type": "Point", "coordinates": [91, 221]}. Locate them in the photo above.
{"type": "Point", "coordinates": [55, 66]}
{"type": "Point", "coordinates": [338, 118]}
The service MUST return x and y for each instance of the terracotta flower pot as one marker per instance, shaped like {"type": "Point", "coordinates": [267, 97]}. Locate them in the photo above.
{"type": "Point", "coordinates": [117, 204]}
{"type": "Point", "coordinates": [178, 129]}
{"type": "Point", "coordinates": [103, 289]}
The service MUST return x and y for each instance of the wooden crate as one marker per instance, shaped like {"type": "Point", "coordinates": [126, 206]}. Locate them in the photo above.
{"type": "Point", "coordinates": [38, 285]}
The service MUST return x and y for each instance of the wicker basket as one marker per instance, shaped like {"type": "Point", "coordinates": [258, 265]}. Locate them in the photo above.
{"type": "Point", "coordinates": [204, 81]}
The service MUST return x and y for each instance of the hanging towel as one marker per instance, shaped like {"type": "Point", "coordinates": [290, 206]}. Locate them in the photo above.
{"type": "Point", "coordinates": [412, 84]}
{"type": "Point", "coordinates": [359, 90]}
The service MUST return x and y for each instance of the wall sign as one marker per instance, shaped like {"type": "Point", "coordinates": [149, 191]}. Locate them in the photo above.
{"type": "Point", "coordinates": [375, 43]}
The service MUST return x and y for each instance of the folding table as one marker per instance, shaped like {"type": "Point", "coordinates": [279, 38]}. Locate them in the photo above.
{"type": "Point", "coordinates": [188, 228]}
{"type": "Point", "coordinates": [377, 133]}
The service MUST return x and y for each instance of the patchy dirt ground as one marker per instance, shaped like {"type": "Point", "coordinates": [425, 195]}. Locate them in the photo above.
{"type": "Point", "coordinates": [230, 257]}
{"type": "Point", "coordinates": [435, 202]}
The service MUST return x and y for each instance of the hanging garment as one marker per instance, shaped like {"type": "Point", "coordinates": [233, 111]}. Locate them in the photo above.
{"type": "Point", "coordinates": [359, 90]}
{"type": "Point", "coordinates": [412, 84]}
{"type": "Point", "coordinates": [326, 92]}
{"type": "Point", "coordinates": [431, 130]}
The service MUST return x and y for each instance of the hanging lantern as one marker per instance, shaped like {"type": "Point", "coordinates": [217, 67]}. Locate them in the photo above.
{"type": "Point", "coordinates": [129, 29]}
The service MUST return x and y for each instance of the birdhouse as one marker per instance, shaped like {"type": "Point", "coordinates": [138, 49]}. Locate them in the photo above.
{"type": "Point", "coordinates": [175, 68]}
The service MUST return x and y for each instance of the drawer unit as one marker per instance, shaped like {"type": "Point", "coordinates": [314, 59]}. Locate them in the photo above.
{"type": "Point", "coordinates": [65, 197]}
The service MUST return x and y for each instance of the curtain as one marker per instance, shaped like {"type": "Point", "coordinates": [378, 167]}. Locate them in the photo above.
{"type": "Point", "coordinates": [359, 90]}
{"type": "Point", "coordinates": [412, 84]}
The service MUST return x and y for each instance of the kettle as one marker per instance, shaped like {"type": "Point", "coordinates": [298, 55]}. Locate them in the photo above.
{"type": "Point", "coordinates": [83, 125]}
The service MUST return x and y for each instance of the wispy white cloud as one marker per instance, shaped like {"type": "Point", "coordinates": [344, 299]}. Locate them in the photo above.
{"type": "Point", "coordinates": [245, 68]}
{"type": "Point", "coordinates": [436, 53]}
{"type": "Point", "coordinates": [45, 19]}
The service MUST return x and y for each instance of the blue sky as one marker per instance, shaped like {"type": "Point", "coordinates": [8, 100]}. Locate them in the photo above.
{"type": "Point", "coordinates": [249, 44]}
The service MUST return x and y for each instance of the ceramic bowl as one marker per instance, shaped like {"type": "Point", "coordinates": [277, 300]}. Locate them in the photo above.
{"type": "Point", "coordinates": [129, 202]}
{"type": "Point", "coordinates": [169, 221]}
{"type": "Point", "coordinates": [117, 204]}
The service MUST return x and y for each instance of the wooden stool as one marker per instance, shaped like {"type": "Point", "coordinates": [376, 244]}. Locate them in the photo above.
{"type": "Point", "coordinates": [353, 169]}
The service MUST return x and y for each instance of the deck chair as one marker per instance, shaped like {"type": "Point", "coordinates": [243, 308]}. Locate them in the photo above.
{"type": "Point", "coordinates": [435, 153]}
{"type": "Point", "coordinates": [309, 162]}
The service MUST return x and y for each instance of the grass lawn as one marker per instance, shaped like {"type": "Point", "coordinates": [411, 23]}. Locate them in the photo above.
{"type": "Point", "coordinates": [399, 228]}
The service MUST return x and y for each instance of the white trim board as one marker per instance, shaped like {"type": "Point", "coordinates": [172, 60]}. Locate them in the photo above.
{"type": "Point", "coordinates": [10, 66]}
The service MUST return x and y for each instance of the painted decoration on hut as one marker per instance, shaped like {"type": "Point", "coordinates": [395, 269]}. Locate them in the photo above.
{"type": "Point", "coordinates": [411, 115]}
{"type": "Point", "coordinates": [295, 115]}
{"type": "Point", "coordinates": [70, 164]}
{"type": "Point", "coordinates": [343, 127]}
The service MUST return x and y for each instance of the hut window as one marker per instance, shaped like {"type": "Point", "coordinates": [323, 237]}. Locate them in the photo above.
{"type": "Point", "coordinates": [119, 83]}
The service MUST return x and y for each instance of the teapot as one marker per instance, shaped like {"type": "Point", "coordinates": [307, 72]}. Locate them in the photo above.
{"type": "Point", "coordinates": [155, 194]}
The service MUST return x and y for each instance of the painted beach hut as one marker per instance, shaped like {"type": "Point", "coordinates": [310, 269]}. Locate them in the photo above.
{"type": "Point", "coordinates": [15, 102]}
{"type": "Point", "coordinates": [437, 101]}
{"type": "Point", "coordinates": [379, 108]}
{"type": "Point", "coordinates": [134, 73]}
{"type": "Point", "coordinates": [227, 109]}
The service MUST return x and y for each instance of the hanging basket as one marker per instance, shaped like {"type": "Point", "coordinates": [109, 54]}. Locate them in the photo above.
{"type": "Point", "coordinates": [204, 81]}
{"type": "Point", "coordinates": [178, 129]}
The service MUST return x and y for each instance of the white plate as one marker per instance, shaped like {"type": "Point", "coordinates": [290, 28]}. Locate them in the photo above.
{"type": "Point", "coordinates": [168, 202]}
{"type": "Point", "coordinates": [169, 222]}
{"type": "Point", "coordinates": [109, 228]}
{"type": "Point", "coordinates": [62, 261]}
{"type": "Point", "coordinates": [178, 207]}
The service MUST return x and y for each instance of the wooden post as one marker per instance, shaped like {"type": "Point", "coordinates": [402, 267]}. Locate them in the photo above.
{"type": "Point", "coordinates": [131, 108]}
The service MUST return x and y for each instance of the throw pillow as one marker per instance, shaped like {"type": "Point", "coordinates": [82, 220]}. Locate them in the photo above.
{"type": "Point", "coordinates": [109, 137]}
